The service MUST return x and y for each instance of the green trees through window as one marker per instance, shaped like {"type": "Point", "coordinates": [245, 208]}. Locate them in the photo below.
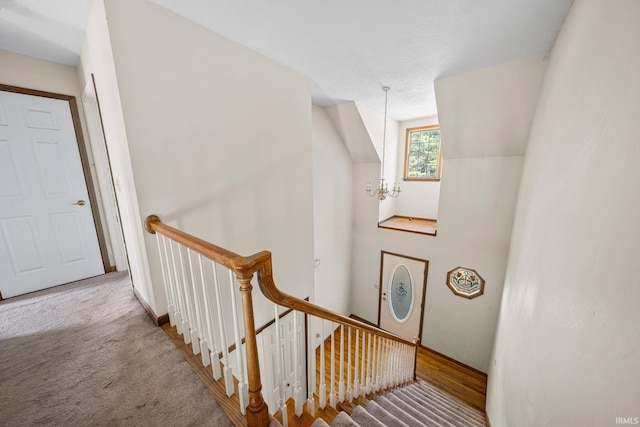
{"type": "Point", "coordinates": [423, 154]}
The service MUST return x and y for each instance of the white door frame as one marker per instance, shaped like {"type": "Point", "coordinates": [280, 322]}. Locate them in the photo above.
{"type": "Point", "coordinates": [382, 286]}
{"type": "Point", "coordinates": [104, 177]}
{"type": "Point", "coordinates": [75, 116]}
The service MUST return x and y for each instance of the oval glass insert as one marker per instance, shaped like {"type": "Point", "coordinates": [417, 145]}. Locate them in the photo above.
{"type": "Point", "coordinates": [401, 293]}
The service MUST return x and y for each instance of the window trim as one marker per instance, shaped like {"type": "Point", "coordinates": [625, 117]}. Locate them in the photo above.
{"type": "Point", "coordinates": [406, 155]}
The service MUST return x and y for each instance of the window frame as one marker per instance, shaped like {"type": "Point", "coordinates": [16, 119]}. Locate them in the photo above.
{"type": "Point", "coordinates": [406, 176]}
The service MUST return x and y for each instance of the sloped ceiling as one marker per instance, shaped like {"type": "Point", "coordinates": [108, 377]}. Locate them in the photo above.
{"type": "Point", "coordinates": [44, 29]}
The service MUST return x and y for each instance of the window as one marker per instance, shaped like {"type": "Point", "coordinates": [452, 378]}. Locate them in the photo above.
{"type": "Point", "coordinates": [423, 156]}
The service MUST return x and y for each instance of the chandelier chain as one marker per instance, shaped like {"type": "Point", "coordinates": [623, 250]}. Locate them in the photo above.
{"type": "Point", "coordinates": [384, 132]}
{"type": "Point", "coordinates": [382, 192]}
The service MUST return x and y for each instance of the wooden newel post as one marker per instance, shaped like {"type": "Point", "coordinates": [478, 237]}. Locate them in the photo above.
{"type": "Point", "coordinates": [416, 341]}
{"type": "Point", "coordinates": [257, 411]}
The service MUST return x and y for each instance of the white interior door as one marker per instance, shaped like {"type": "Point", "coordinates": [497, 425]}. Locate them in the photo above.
{"type": "Point", "coordinates": [402, 295]}
{"type": "Point", "coordinates": [47, 233]}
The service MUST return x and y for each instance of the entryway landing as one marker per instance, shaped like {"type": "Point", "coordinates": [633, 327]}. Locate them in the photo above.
{"type": "Point", "coordinates": [410, 224]}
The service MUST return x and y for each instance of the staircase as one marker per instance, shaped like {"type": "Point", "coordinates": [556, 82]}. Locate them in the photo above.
{"type": "Point", "coordinates": [268, 376]}
{"type": "Point", "coordinates": [418, 404]}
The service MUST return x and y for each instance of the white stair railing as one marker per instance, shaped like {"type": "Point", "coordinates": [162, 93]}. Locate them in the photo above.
{"type": "Point", "coordinates": [374, 360]}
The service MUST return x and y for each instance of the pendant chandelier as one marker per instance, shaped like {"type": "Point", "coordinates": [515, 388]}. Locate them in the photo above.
{"type": "Point", "coordinates": [382, 192]}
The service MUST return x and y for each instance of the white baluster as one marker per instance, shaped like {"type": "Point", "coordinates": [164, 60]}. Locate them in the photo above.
{"type": "Point", "coordinates": [322, 399]}
{"type": "Point", "coordinates": [406, 363]}
{"type": "Point", "coordinates": [282, 402]}
{"type": "Point", "coordinates": [410, 367]}
{"type": "Point", "coordinates": [297, 389]}
{"type": "Point", "coordinates": [227, 373]}
{"type": "Point", "coordinates": [403, 356]}
{"type": "Point", "coordinates": [165, 282]}
{"type": "Point", "coordinates": [391, 356]}
{"type": "Point", "coordinates": [400, 364]}
{"type": "Point", "coordinates": [349, 389]}
{"type": "Point", "coordinates": [356, 382]}
{"type": "Point", "coordinates": [243, 391]}
{"type": "Point", "coordinates": [363, 376]}
{"type": "Point", "coordinates": [209, 343]}
{"type": "Point", "coordinates": [374, 365]}
{"type": "Point", "coordinates": [396, 364]}
{"type": "Point", "coordinates": [341, 366]}
{"type": "Point", "coordinates": [380, 364]}
{"type": "Point", "coordinates": [385, 361]}
{"type": "Point", "coordinates": [188, 335]}
{"type": "Point", "coordinates": [197, 322]}
{"type": "Point", "coordinates": [402, 350]}
{"type": "Point", "coordinates": [175, 320]}
{"type": "Point", "coordinates": [311, 373]}
{"type": "Point", "coordinates": [369, 344]}
{"type": "Point", "coordinates": [183, 327]}
{"type": "Point", "coordinates": [332, 395]}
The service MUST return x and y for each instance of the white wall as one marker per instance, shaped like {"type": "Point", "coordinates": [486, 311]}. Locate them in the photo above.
{"type": "Point", "coordinates": [419, 199]}
{"type": "Point", "coordinates": [220, 141]}
{"type": "Point", "coordinates": [488, 111]}
{"type": "Point", "coordinates": [374, 123]}
{"type": "Point", "coordinates": [332, 214]}
{"type": "Point", "coordinates": [347, 119]}
{"type": "Point", "coordinates": [96, 58]}
{"type": "Point", "coordinates": [32, 73]}
{"type": "Point", "coordinates": [476, 209]}
{"type": "Point", "coordinates": [566, 350]}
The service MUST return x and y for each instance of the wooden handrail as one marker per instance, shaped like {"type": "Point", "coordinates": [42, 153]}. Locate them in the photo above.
{"type": "Point", "coordinates": [244, 268]}
{"type": "Point", "coordinates": [261, 263]}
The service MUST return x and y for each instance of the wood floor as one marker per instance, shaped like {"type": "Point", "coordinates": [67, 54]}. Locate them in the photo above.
{"type": "Point", "coordinates": [410, 224]}
{"type": "Point", "coordinates": [460, 381]}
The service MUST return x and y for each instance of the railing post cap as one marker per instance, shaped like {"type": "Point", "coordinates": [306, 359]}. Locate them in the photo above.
{"type": "Point", "coordinates": [148, 220]}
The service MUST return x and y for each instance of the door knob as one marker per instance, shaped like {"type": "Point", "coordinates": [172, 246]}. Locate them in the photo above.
{"type": "Point", "coordinates": [80, 203]}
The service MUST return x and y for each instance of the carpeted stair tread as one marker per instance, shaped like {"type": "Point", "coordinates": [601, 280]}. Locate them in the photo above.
{"type": "Point", "coordinates": [432, 392]}
{"type": "Point", "coordinates": [446, 401]}
{"type": "Point", "coordinates": [343, 420]}
{"type": "Point", "coordinates": [401, 414]}
{"type": "Point", "coordinates": [387, 418]}
{"type": "Point", "coordinates": [453, 413]}
{"type": "Point", "coordinates": [447, 416]}
{"type": "Point", "coordinates": [319, 422]}
{"type": "Point", "coordinates": [427, 418]}
{"type": "Point", "coordinates": [414, 405]}
{"type": "Point", "coordinates": [364, 418]}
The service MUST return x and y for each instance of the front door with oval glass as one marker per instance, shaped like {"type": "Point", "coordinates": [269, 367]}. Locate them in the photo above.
{"type": "Point", "coordinates": [403, 283]}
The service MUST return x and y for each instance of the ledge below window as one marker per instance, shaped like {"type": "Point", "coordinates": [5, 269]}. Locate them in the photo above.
{"type": "Point", "coordinates": [410, 224]}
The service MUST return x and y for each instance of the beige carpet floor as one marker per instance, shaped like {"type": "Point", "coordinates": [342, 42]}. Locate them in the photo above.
{"type": "Point", "coordinates": [87, 354]}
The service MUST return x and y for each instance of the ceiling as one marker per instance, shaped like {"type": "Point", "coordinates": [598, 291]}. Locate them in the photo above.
{"type": "Point", "coordinates": [350, 49]}
{"type": "Point", "coordinates": [52, 30]}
